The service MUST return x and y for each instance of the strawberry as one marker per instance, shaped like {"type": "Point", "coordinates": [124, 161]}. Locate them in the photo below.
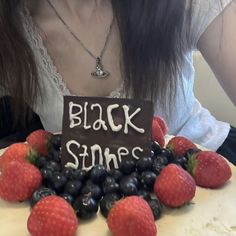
{"type": "Point", "coordinates": [162, 124]}
{"type": "Point", "coordinates": [21, 152]}
{"type": "Point", "coordinates": [157, 133]}
{"type": "Point", "coordinates": [18, 181]}
{"type": "Point", "coordinates": [209, 169]}
{"type": "Point", "coordinates": [52, 216]}
{"type": "Point", "coordinates": [40, 141]}
{"type": "Point", "coordinates": [179, 146]}
{"type": "Point", "coordinates": [131, 216]}
{"type": "Point", "coordinates": [174, 186]}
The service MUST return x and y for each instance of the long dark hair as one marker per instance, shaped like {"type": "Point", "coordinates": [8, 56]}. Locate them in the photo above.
{"type": "Point", "coordinates": [154, 41]}
{"type": "Point", "coordinates": [151, 33]}
{"type": "Point", "coordinates": [18, 71]}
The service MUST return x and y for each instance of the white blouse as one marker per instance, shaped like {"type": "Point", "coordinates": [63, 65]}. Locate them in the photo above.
{"type": "Point", "coordinates": [189, 118]}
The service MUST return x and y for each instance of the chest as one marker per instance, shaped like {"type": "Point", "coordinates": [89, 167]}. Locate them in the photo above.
{"type": "Point", "coordinates": [74, 49]}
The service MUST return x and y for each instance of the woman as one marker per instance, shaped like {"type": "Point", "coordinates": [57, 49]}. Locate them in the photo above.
{"type": "Point", "coordinates": [134, 48]}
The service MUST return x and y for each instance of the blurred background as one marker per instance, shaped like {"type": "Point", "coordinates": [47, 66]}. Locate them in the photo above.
{"type": "Point", "coordinates": [210, 94]}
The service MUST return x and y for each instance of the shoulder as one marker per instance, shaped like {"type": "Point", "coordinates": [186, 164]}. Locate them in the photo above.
{"type": "Point", "coordinates": [207, 9]}
{"type": "Point", "coordinates": [203, 12]}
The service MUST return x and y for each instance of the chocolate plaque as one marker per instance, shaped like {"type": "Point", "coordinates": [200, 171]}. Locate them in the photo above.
{"type": "Point", "coordinates": [104, 131]}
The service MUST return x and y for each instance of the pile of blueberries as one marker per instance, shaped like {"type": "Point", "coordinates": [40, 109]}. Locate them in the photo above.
{"type": "Point", "coordinates": [87, 191]}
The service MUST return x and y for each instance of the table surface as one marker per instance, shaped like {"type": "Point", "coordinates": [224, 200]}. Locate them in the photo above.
{"type": "Point", "coordinates": [211, 211]}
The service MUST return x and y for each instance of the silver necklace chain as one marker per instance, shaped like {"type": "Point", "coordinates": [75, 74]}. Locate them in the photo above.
{"type": "Point", "coordinates": [99, 72]}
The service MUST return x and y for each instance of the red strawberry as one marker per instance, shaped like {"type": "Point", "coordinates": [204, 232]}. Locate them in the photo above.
{"type": "Point", "coordinates": [21, 152]}
{"type": "Point", "coordinates": [174, 186]}
{"type": "Point", "coordinates": [18, 181]}
{"type": "Point", "coordinates": [52, 216]}
{"type": "Point", "coordinates": [209, 169]}
{"type": "Point", "coordinates": [40, 141]}
{"type": "Point", "coordinates": [131, 216]}
{"type": "Point", "coordinates": [157, 133]}
{"type": "Point", "coordinates": [180, 145]}
{"type": "Point", "coordinates": [162, 124]}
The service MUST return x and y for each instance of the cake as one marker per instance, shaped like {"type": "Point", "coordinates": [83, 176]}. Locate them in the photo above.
{"type": "Point", "coordinates": [211, 212]}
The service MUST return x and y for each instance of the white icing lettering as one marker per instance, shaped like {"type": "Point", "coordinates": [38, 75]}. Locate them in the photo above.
{"type": "Point", "coordinates": [70, 164]}
{"type": "Point", "coordinates": [99, 123]}
{"type": "Point", "coordinates": [114, 128]}
{"type": "Point", "coordinates": [122, 151]}
{"type": "Point", "coordinates": [96, 148]}
{"type": "Point", "coordinates": [110, 157]}
{"type": "Point", "coordinates": [133, 152]}
{"type": "Point", "coordinates": [85, 116]}
{"type": "Point", "coordinates": [128, 120]}
{"type": "Point", "coordinates": [84, 155]}
{"type": "Point", "coordinates": [73, 117]}
{"type": "Point", "coordinates": [97, 153]}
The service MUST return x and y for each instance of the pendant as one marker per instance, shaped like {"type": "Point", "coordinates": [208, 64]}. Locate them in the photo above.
{"type": "Point", "coordinates": [100, 73]}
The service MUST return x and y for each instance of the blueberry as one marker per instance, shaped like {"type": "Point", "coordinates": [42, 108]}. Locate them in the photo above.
{"type": "Point", "coordinates": [54, 166]}
{"type": "Point", "coordinates": [156, 207]}
{"type": "Point", "coordinates": [108, 180]}
{"type": "Point", "coordinates": [130, 178]}
{"type": "Point", "coordinates": [111, 188]}
{"type": "Point", "coordinates": [68, 173]}
{"type": "Point", "coordinates": [85, 207]}
{"type": "Point", "coordinates": [162, 159]}
{"type": "Point", "coordinates": [55, 155]}
{"type": "Point", "coordinates": [182, 161]}
{"type": "Point", "coordinates": [128, 188]}
{"type": "Point", "coordinates": [39, 194]}
{"type": "Point", "coordinates": [49, 157]}
{"type": "Point", "coordinates": [81, 175]}
{"type": "Point", "coordinates": [135, 175]}
{"type": "Point", "coordinates": [41, 162]}
{"type": "Point", "coordinates": [156, 148]}
{"type": "Point", "coordinates": [92, 189]}
{"type": "Point", "coordinates": [73, 187]}
{"type": "Point", "coordinates": [168, 154]}
{"type": "Point", "coordinates": [127, 165]}
{"type": "Point", "coordinates": [46, 173]}
{"type": "Point", "coordinates": [56, 141]}
{"type": "Point", "coordinates": [58, 181]}
{"type": "Point", "coordinates": [144, 164]}
{"type": "Point", "coordinates": [157, 166]}
{"type": "Point", "coordinates": [152, 154]}
{"type": "Point", "coordinates": [147, 180]}
{"type": "Point", "coordinates": [70, 199]}
{"type": "Point", "coordinates": [144, 194]}
{"type": "Point", "coordinates": [107, 203]}
{"type": "Point", "coordinates": [116, 174]}
{"type": "Point", "coordinates": [98, 174]}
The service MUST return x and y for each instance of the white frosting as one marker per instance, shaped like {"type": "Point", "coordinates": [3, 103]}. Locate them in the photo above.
{"type": "Point", "coordinates": [70, 164]}
{"type": "Point", "coordinates": [122, 152]}
{"type": "Point", "coordinates": [74, 118]}
{"type": "Point", "coordinates": [85, 116]}
{"type": "Point", "coordinates": [96, 148]}
{"type": "Point", "coordinates": [99, 123]}
{"type": "Point", "coordinates": [128, 120]}
{"type": "Point", "coordinates": [84, 155]}
{"type": "Point", "coordinates": [75, 110]}
{"type": "Point", "coordinates": [135, 149]}
{"type": "Point", "coordinates": [212, 213]}
{"type": "Point", "coordinates": [98, 155]}
{"type": "Point", "coordinates": [110, 158]}
{"type": "Point", "coordinates": [114, 128]}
